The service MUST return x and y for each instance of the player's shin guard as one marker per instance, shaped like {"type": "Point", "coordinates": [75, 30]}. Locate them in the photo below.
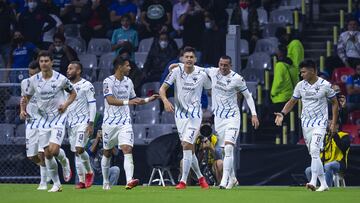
{"type": "Point", "coordinates": [195, 166]}
{"type": "Point", "coordinates": [80, 169]}
{"type": "Point", "coordinates": [187, 160]}
{"type": "Point", "coordinates": [105, 167]}
{"type": "Point", "coordinates": [62, 158]}
{"type": "Point", "coordinates": [86, 162]}
{"type": "Point", "coordinates": [52, 168]}
{"type": "Point", "coordinates": [228, 164]}
{"type": "Point", "coordinates": [128, 167]}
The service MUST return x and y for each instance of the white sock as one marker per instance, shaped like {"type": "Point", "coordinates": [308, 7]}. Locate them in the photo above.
{"type": "Point", "coordinates": [62, 158]}
{"type": "Point", "coordinates": [105, 167]}
{"type": "Point", "coordinates": [321, 175]}
{"type": "Point", "coordinates": [52, 169]}
{"type": "Point", "coordinates": [86, 162]}
{"type": "Point", "coordinates": [80, 169]}
{"type": "Point", "coordinates": [128, 167]}
{"type": "Point", "coordinates": [228, 164]}
{"type": "Point", "coordinates": [187, 160]}
{"type": "Point", "coordinates": [195, 166]}
{"type": "Point", "coordinates": [43, 175]}
{"type": "Point", "coordinates": [314, 169]}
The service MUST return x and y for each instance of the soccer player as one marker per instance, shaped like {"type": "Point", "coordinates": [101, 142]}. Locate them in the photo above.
{"type": "Point", "coordinates": [80, 123]}
{"type": "Point", "coordinates": [314, 93]}
{"type": "Point", "coordinates": [189, 82]}
{"type": "Point", "coordinates": [49, 88]}
{"type": "Point", "coordinates": [33, 151]}
{"type": "Point", "coordinates": [226, 84]}
{"type": "Point", "coordinates": [117, 129]}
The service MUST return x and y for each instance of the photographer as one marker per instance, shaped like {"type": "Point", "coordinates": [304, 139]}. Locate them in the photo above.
{"type": "Point", "coordinates": [211, 164]}
{"type": "Point", "coordinates": [334, 155]}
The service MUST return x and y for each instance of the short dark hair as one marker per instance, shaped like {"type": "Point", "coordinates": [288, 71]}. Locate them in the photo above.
{"type": "Point", "coordinates": [119, 61]}
{"type": "Point", "coordinates": [34, 65]}
{"type": "Point", "coordinates": [226, 57]}
{"type": "Point", "coordinates": [78, 63]}
{"type": "Point", "coordinates": [189, 49]}
{"type": "Point", "coordinates": [60, 36]}
{"type": "Point", "coordinates": [283, 49]}
{"type": "Point", "coordinates": [44, 53]}
{"type": "Point", "coordinates": [309, 64]}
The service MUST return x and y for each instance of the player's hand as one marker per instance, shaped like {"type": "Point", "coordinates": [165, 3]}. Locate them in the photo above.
{"type": "Point", "coordinates": [168, 106]}
{"type": "Point", "coordinates": [23, 115]}
{"type": "Point", "coordinates": [153, 97]}
{"type": "Point", "coordinates": [62, 108]}
{"type": "Point", "coordinates": [135, 101]}
{"type": "Point", "coordinates": [172, 66]}
{"type": "Point", "coordinates": [333, 129]}
{"type": "Point", "coordinates": [255, 121]}
{"type": "Point", "coordinates": [89, 129]}
{"type": "Point", "coordinates": [279, 119]}
{"type": "Point", "coordinates": [342, 101]}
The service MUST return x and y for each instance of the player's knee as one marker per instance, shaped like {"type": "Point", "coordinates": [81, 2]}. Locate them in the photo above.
{"type": "Point", "coordinates": [186, 146]}
{"type": "Point", "coordinates": [79, 150]}
{"type": "Point", "coordinates": [229, 150]}
{"type": "Point", "coordinates": [34, 159]}
{"type": "Point", "coordinates": [126, 149]}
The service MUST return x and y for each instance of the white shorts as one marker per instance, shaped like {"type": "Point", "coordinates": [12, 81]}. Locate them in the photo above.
{"type": "Point", "coordinates": [188, 129]}
{"type": "Point", "coordinates": [314, 136]}
{"type": "Point", "coordinates": [77, 136]}
{"type": "Point", "coordinates": [53, 135]}
{"type": "Point", "coordinates": [32, 142]}
{"type": "Point", "coordinates": [227, 129]}
{"type": "Point", "coordinates": [117, 135]}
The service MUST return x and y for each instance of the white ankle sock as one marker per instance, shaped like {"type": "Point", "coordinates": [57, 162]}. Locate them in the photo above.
{"type": "Point", "coordinates": [105, 168]}
{"type": "Point", "coordinates": [43, 174]}
{"type": "Point", "coordinates": [228, 164]}
{"type": "Point", "coordinates": [195, 166]}
{"type": "Point", "coordinates": [52, 169]}
{"type": "Point", "coordinates": [187, 161]}
{"type": "Point", "coordinates": [86, 162]}
{"type": "Point", "coordinates": [80, 169]}
{"type": "Point", "coordinates": [128, 167]}
{"type": "Point", "coordinates": [61, 157]}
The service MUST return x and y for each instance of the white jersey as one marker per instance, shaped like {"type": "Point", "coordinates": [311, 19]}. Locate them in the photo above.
{"type": "Point", "coordinates": [224, 92]}
{"type": "Point", "coordinates": [123, 90]}
{"type": "Point", "coordinates": [314, 102]}
{"type": "Point", "coordinates": [50, 94]}
{"type": "Point", "coordinates": [31, 108]}
{"type": "Point", "coordinates": [188, 88]}
{"type": "Point", "coordinates": [78, 111]}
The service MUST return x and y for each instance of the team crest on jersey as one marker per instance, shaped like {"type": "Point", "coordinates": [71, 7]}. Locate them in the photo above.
{"type": "Point", "coordinates": [78, 89]}
{"type": "Point", "coordinates": [317, 89]}
{"type": "Point", "coordinates": [195, 79]}
{"type": "Point", "coordinates": [92, 90]}
{"type": "Point", "coordinates": [126, 86]}
{"type": "Point", "coordinates": [53, 86]}
{"type": "Point", "coordinates": [228, 81]}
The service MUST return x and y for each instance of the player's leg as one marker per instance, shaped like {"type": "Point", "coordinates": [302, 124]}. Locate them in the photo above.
{"type": "Point", "coordinates": [43, 170]}
{"type": "Point", "coordinates": [110, 134]}
{"type": "Point", "coordinates": [57, 136]}
{"type": "Point", "coordinates": [187, 154]}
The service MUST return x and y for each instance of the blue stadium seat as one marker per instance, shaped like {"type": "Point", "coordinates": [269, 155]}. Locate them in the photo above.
{"type": "Point", "coordinates": [89, 62]}
{"type": "Point", "coordinates": [150, 88]}
{"type": "Point", "coordinates": [265, 45]}
{"type": "Point", "coordinates": [99, 46]}
{"type": "Point", "coordinates": [76, 43]}
{"type": "Point", "coordinates": [259, 60]}
{"type": "Point", "coordinates": [283, 16]}
{"type": "Point", "coordinates": [147, 117]}
{"type": "Point", "coordinates": [6, 133]}
{"type": "Point", "coordinates": [145, 44]}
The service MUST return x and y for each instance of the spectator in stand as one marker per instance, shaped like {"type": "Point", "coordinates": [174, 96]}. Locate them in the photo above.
{"type": "Point", "coordinates": [353, 90]}
{"type": "Point", "coordinates": [97, 22]}
{"type": "Point", "coordinates": [295, 49]}
{"type": "Point", "coordinates": [34, 22]}
{"type": "Point", "coordinates": [17, 5]}
{"type": "Point", "coordinates": [61, 6]}
{"type": "Point", "coordinates": [213, 42]}
{"type": "Point", "coordinates": [125, 36]}
{"type": "Point", "coordinates": [48, 36]}
{"type": "Point", "coordinates": [193, 21]}
{"type": "Point", "coordinates": [21, 54]}
{"type": "Point", "coordinates": [246, 16]}
{"type": "Point", "coordinates": [62, 54]}
{"type": "Point", "coordinates": [7, 21]}
{"type": "Point", "coordinates": [178, 9]}
{"type": "Point", "coordinates": [76, 13]}
{"type": "Point", "coordinates": [155, 18]}
{"type": "Point", "coordinates": [357, 11]}
{"type": "Point", "coordinates": [217, 8]}
{"type": "Point", "coordinates": [348, 47]}
{"type": "Point", "coordinates": [161, 52]}
{"type": "Point", "coordinates": [120, 8]}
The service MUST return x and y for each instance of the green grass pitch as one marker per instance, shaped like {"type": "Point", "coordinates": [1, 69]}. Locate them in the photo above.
{"type": "Point", "coordinates": [23, 193]}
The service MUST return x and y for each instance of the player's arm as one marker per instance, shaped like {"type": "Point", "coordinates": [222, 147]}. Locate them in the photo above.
{"type": "Point", "coordinates": [23, 103]}
{"type": "Point", "coordinates": [250, 101]}
{"type": "Point", "coordinates": [122, 102]}
{"type": "Point", "coordinates": [90, 96]}
{"type": "Point", "coordinates": [287, 108]}
{"type": "Point", "coordinates": [71, 98]}
{"type": "Point", "coordinates": [167, 104]}
{"type": "Point", "coordinates": [335, 114]}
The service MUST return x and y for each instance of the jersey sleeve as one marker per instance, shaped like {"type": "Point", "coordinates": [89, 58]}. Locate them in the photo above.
{"type": "Point", "coordinates": [132, 91]}
{"type": "Point", "coordinates": [90, 93]}
{"type": "Point", "coordinates": [170, 78]}
{"type": "Point", "coordinates": [24, 87]}
{"type": "Point", "coordinates": [330, 92]}
{"type": "Point", "coordinates": [297, 94]}
{"type": "Point", "coordinates": [107, 87]}
{"type": "Point", "coordinates": [241, 84]}
{"type": "Point", "coordinates": [207, 82]}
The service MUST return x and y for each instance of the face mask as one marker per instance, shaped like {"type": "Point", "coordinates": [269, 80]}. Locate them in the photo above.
{"type": "Point", "coordinates": [58, 48]}
{"type": "Point", "coordinates": [32, 5]}
{"type": "Point", "coordinates": [163, 44]}
{"type": "Point", "coordinates": [208, 25]}
{"type": "Point", "coordinates": [244, 5]}
{"type": "Point", "coordinates": [125, 28]}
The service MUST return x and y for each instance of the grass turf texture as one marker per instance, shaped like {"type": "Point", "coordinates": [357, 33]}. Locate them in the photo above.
{"type": "Point", "coordinates": [23, 193]}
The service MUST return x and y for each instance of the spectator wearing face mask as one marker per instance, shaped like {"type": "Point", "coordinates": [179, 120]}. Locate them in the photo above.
{"type": "Point", "coordinates": [34, 22]}
{"type": "Point", "coordinates": [348, 47]}
{"type": "Point", "coordinates": [213, 42]}
{"type": "Point", "coordinates": [161, 52]}
{"type": "Point", "coordinates": [62, 54]}
{"type": "Point", "coordinates": [125, 37]}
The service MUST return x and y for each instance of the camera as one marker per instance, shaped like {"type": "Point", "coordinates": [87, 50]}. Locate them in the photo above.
{"type": "Point", "coordinates": [205, 132]}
